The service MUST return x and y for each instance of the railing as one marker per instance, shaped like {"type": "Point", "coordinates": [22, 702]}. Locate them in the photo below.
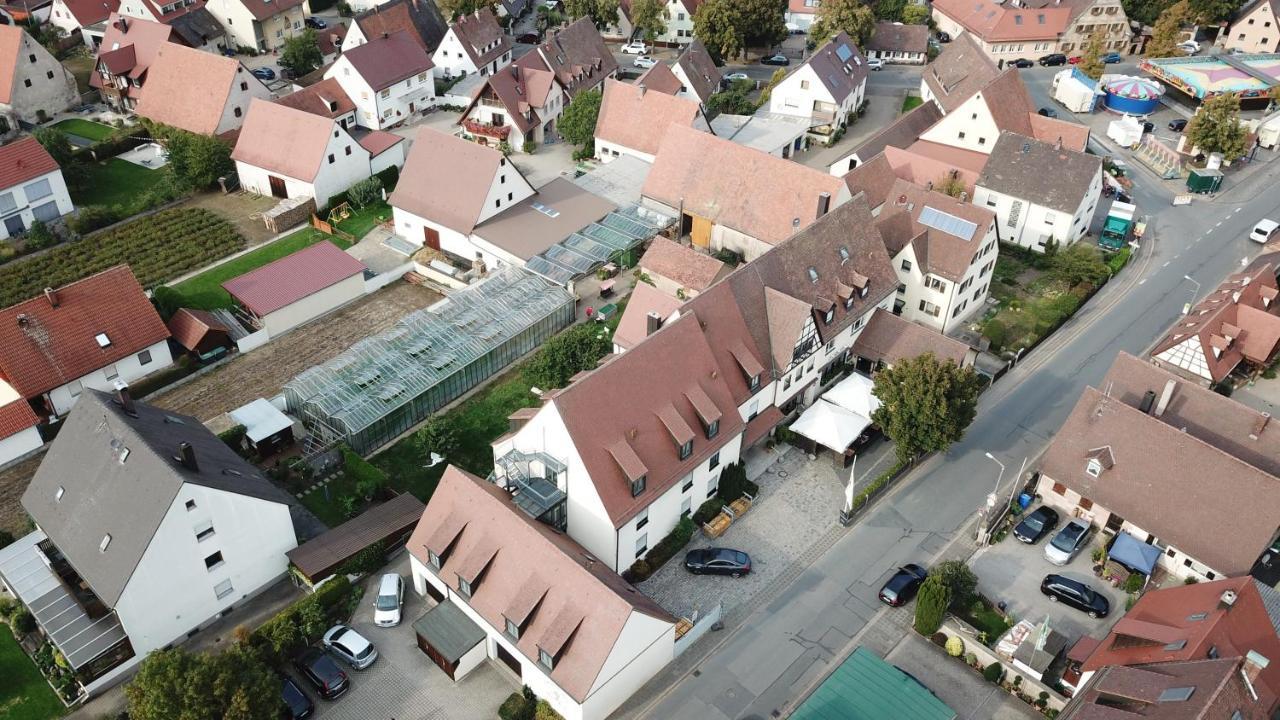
{"type": "Point", "coordinates": [492, 103]}
{"type": "Point", "coordinates": [479, 128]}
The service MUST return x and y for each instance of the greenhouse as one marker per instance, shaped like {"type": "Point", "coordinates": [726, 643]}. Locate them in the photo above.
{"type": "Point", "coordinates": [386, 384]}
{"type": "Point", "coordinates": [613, 238]}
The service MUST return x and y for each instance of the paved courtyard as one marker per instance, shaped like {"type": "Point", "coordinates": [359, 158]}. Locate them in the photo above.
{"type": "Point", "coordinates": [962, 689]}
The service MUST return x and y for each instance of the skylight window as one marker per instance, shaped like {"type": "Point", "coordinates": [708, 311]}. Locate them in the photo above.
{"type": "Point", "coordinates": [813, 274]}
{"type": "Point", "coordinates": [106, 540]}
{"type": "Point", "coordinates": [61, 491]}
{"type": "Point", "coordinates": [1176, 694]}
{"type": "Point", "coordinates": [103, 340]}
{"type": "Point", "coordinates": [844, 254]}
{"type": "Point", "coordinates": [548, 211]}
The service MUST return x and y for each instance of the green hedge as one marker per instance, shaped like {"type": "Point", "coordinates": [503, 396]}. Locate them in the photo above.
{"type": "Point", "coordinates": [876, 485]}
{"type": "Point", "coordinates": [366, 478]}
{"type": "Point", "coordinates": [1117, 260]}
{"type": "Point", "coordinates": [659, 554]}
{"type": "Point", "coordinates": [283, 635]}
{"type": "Point", "coordinates": [707, 510]}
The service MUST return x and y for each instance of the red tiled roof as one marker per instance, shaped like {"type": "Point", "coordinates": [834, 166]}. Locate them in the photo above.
{"type": "Point", "coordinates": [325, 98]}
{"type": "Point", "coordinates": [135, 46]}
{"type": "Point", "coordinates": [385, 61]}
{"type": "Point", "coordinates": [89, 12]}
{"type": "Point", "coordinates": [684, 265]}
{"type": "Point", "coordinates": [189, 326]}
{"type": "Point", "coordinates": [659, 78]}
{"type": "Point", "coordinates": [189, 88]}
{"type": "Point", "coordinates": [266, 9]}
{"type": "Point", "coordinates": [479, 30]}
{"type": "Point", "coordinates": [635, 119]}
{"type": "Point", "coordinates": [16, 417]}
{"type": "Point", "coordinates": [43, 347]}
{"type": "Point", "coordinates": [379, 141]}
{"type": "Point", "coordinates": [293, 277]}
{"type": "Point", "coordinates": [23, 160]}
{"type": "Point", "coordinates": [634, 325]}
{"type": "Point", "coordinates": [891, 339]}
{"type": "Point", "coordinates": [994, 21]}
{"type": "Point", "coordinates": [284, 140]}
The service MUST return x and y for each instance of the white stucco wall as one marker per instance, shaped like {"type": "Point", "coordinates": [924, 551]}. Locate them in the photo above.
{"type": "Point", "coordinates": [257, 180]}
{"type": "Point", "coordinates": [245, 30]}
{"type": "Point", "coordinates": [127, 369]}
{"type": "Point", "coordinates": [1033, 224]}
{"type": "Point", "coordinates": [970, 126]}
{"type": "Point", "coordinates": [244, 88]}
{"type": "Point", "coordinates": [411, 227]}
{"type": "Point", "coordinates": [451, 59]}
{"type": "Point", "coordinates": [387, 158]}
{"type": "Point", "coordinates": [379, 113]}
{"type": "Point", "coordinates": [956, 301]}
{"type": "Point", "coordinates": [1258, 31]}
{"type": "Point", "coordinates": [606, 151]}
{"type": "Point", "coordinates": [798, 92]}
{"type": "Point", "coordinates": [313, 306]}
{"type": "Point", "coordinates": [350, 165]}
{"type": "Point", "coordinates": [21, 201]}
{"type": "Point", "coordinates": [686, 87]}
{"type": "Point", "coordinates": [19, 444]}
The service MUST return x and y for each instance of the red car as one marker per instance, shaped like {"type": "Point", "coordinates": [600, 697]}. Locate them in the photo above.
{"type": "Point", "coordinates": [1074, 59]}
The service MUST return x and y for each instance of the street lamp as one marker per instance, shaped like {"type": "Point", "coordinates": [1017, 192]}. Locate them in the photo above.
{"type": "Point", "coordinates": [991, 499]}
{"type": "Point", "coordinates": [1187, 307]}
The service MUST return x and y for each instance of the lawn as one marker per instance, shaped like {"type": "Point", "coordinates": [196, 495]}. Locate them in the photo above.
{"type": "Point", "coordinates": [117, 182]}
{"type": "Point", "coordinates": [987, 620]}
{"type": "Point", "coordinates": [24, 694]}
{"type": "Point", "coordinates": [1033, 300]}
{"type": "Point", "coordinates": [81, 66]}
{"type": "Point", "coordinates": [205, 292]}
{"type": "Point", "coordinates": [365, 219]}
{"type": "Point", "coordinates": [86, 129]}
{"type": "Point", "coordinates": [911, 102]}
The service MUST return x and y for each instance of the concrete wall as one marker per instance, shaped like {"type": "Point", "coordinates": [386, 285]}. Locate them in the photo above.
{"type": "Point", "coordinates": [43, 86]}
{"type": "Point", "coordinates": [27, 197]}
{"type": "Point", "coordinates": [412, 227]}
{"type": "Point", "coordinates": [20, 443]}
{"type": "Point", "coordinates": [127, 369]}
{"type": "Point", "coordinates": [313, 306]}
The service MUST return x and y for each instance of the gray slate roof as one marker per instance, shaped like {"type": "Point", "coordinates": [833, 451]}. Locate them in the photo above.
{"type": "Point", "coordinates": [1039, 172]}
{"type": "Point", "coordinates": [448, 629]}
{"type": "Point", "coordinates": [126, 500]}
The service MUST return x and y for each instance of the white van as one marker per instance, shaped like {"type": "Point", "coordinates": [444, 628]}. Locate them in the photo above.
{"type": "Point", "coordinates": [386, 606]}
{"type": "Point", "coordinates": [1264, 231]}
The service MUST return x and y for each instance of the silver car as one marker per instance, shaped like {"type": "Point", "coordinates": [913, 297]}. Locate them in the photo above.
{"type": "Point", "coordinates": [1068, 542]}
{"type": "Point", "coordinates": [351, 646]}
{"type": "Point", "coordinates": [386, 606]}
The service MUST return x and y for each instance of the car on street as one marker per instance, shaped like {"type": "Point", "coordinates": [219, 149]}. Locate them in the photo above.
{"type": "Point", "coordinates": [264, 73]}
{"type": "Point", "coordinates": [1178, 125]}
{"type": "Point", "coordinates": [1076, 594]}
{"type": "Point", "coordinates": [778, 59]}
{"type": "Point", "coordinates": [316, 23]}
{"type": "Point", "coordinates": [717, 561]}
{"type": "Point", "coordinates": [1048, 112]}
{"type": "Point", "coordinates": [297, 705]}
{"type": "Point", "coordinates": [527, 39]}
{"type": "Point", "coordinates": [1064, 546]}
{"type": "Point", "coordinates": [1112, 58]}
{"type": "Point", "coordinates": [735, 77]}
{"type": "Point", "coordinates": [1075, 60]}
{"type": "Point", "coordinates": [1053, 59]}
{"type": "Point", "coordinates": [943, 37]}
{"type": "Point", "coordinates": [1190, 47]}
{"type": "Point", "coordinates": [1021, 63]}
{"type": "Point", "coordinates": [1148, 127]}
{"type": "Point", "coordinates": [1036, 525]}
{"type": "Point", "coordinates": [1264, 231]}
{"type": "Point", "coordinates": [902, 585]}
{"type": "Point", "coordinates": [386, 606]}
{"type": "Point", "coordinates": [875, 64]}
{"type": "Point", "coordinates": [351, 646]}
{"type": "Point", "coordinates": [319, 669]}
{"type": "Point", "coordinates": [635, 48]}
{"type": "Point", "coordinates": [644, 61]}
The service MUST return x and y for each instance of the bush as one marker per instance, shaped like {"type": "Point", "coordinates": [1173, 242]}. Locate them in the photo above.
{"type": "Point", "coordinates": [367, 478]}
{"type": "Point", "coordinates": [283, 635]}
{"type": "Point", "coordinates": [94, 217]}
{"type": "Point", "coordinates": [23, 621]}
{"type": "Point", "coordinates": [439, 436]}
{"type": "Point", "coordinates": [1118, 259]}
{"type": "Point", "coordinates": [666, 548]}
{"type": "Point", "coordinates": [993, 672]}
{"type": "Point", "coordinates": [389, 177]}
{"type": "Point", "coordinates": [931, 605]}
{"type": "Point", "coordinates": [7, 607]}
{"type": "Point", "coordinates": [40, 236]}
{"type": "Point", "coordinates": [546, 712]}
{"type": "Point", "coordinates": [959, 579]}
{"type": "Point", "coordinates": [6, 539]}
{"type": "Point", "coordinates": [365, 193]}
{"type": "Point", "coordinates": [955, 647]}
{"type": "Point", "coordinates": [366, 561]}
{"type": "Point", "coordinates": [706, 511]}
{"type": "Point", "coordinates": [734, 482]}
{"type": "Point", "coordinates": [1134, 582]}
{"type": "Point", "coordinates": [567, 354]}
{"type": "Point", "coordinates": [513, 707]}
{"type": "Point", "coordinates": [233, 437]}
{"type": "Point", "coordinates": [529, 147]}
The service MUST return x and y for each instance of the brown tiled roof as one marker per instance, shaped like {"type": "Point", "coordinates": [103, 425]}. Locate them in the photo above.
{"type": "Point", "coordinates": [11, 41]}
{"type": "Point", "coordinates": [896, 37]}
{"type": "Point", "coordinates": [890, 339]}
{"type": "Point", "coordinates": [1009, 102]}
{"type": "Point", "coordinates": [480, 30]}
{"type": "Point", "coordinates": [135, 48]}
{"type": "Point", "coordinates": [521, 90]}
{"type": "Point", "coordinates": [321, 555]}
{"type": "Point", "coordinates": [188, 326]}
{"type": "Point", "coordinates": [576, 54]}
{"type": "Point", "coordinates": [926, 163]}
{"type": "Point", "coordinates": [325, 98]}
{"type": "Point", "coordinates": [633, 327]}
{"type": "Point", "coordinates": [22, 160]}
{"type": "Point", "coordinates": [293, 277]}
{"type": "Point", "coordinates": [378, 141]}
{"type": "Point", "coordinates": [280, 139]}
{"type": "Point", "coordinates": [1170, 483]}
{"type": "Point", "coordinates": [569, 599]}
{"type": "Point", "coordinates": [840, 77]}
{"type": "Point", "coordinates": [874, 178]}
{"type": "Point", "coordinates": [998, 22]}
{"type": "Point", "coordinates": [189, 89]}
{"type": "Point", "coordinates": [902, 132]}
{"type": "Point", "coordinates": [686, 266]}
{"type": "Point", "coordinates": [948, 255]}
{"type": "Point", "coordinates": [91, 12]}
{"type": "Point", "coordinates": [659, 78]}
{"type": "Point", "coordinates": [43, 347]}
{"type": "Point", "coordinates": [453, 199]}
{"type": "Point", "coordinates": [1213, 687]}
{"type": "Point", "coordinates": [266, 9]}
{"type": "Point", "coordinates": [755, 193]}
{"type": "Point", "coordinates": [419, 18]}
{"type": "Point", "coordinates": [524, 230]}
{"type": "Point", "coordinates": [636, 119]}
{"type": "Point", "coordinates": [1016, 168]}
{"type": "Point", "coordinates": [961, 70]}
{"type": "Point", "coordinates": [16, 417]}
{"type": "Point", "coordinates": [1073, 136]}
{"type": "Point", "coordinates": [385, 61]}
{"type": "Point", "coordinates": [700, 69]}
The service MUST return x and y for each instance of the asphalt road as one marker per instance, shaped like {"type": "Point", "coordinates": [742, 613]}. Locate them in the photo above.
{"type": "Point", "coordinates": [769, 660]}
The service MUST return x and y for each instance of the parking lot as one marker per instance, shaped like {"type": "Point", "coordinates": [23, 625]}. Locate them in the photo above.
{"type": "Point", "coordinates": [1011, 571]}
{"type": "Point", "coordinates": [955, 684]}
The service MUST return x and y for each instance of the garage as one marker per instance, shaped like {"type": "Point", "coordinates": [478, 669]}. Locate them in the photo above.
{"type": "Point", "coordinates": [451, 639]}
{"type": "Point", "coordinates": [297, 288]}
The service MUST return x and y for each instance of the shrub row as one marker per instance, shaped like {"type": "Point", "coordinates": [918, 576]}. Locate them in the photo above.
{"type": "Point", "coordinates": [303, 622]}
{"type": "Point", "coordinates": [659, 554]}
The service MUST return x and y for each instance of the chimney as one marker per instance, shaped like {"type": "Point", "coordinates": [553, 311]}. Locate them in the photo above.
{"type": "Point", "coordinates": [1226, 599]}
{"type": "Point", "coordinates": [652, 322]}
{"type": "Point", "coordinates": [52, 296]}
{"type": "Point", "coordinates": [1148, 401]}
{"type": "Point", "coordinates": [125, 399]}
{"type": "Point", "coordinates": [824, 203]}
{"type": "Point", "coordinates": [1254, 663]}
{"type": "Point", "coordinates": [1165, 397]}
{"type": "Point", "coordinates": [641, 87]}
{"type": "Point", "coordinates": [187, 457]}
{"type": "Point", "coordinates": [1259, 425]}
{"type": "Point", "coordinates": [23, 320]}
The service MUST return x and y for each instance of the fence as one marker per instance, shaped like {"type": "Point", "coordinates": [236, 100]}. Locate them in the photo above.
{"type": "Point", "coordinates": [985, 656]}
{"type": "Point", "coordinates": [700, 628]}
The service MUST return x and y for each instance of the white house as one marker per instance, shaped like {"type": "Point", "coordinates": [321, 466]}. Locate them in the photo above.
{"type": "Point", "coordinates": [826, 89]}
{"type": "Point", "coordinates": [576, 55]}
{"type": "Point", "coordinates": [679, 21]}
{"type": "Point", "coordinates": [1256, 29]}
{"type": "Point", "coordinates": [149, 527]}
{"type": "Point", "coordinates": [31, 187]}
{"type": "Point", "coordinates": [33, 84]}
{"type": "Point", "coordinates": [697, 72]}
{"type": "Point", "coordinates": [297, 288]}
{"type": "Point", "coordinates": [633, 121]}
{"type": "Point", "coordinates": [801, 14]}
{"type": "Point", "coordinates": [475, 43]}
{"type": "Point", "coordinates": [84, 16]}
{"type": "Point", "coordinates": [518, 106]}
{"type": "Point", "coordinates": [198, 91]}
{"type": "Point", "coordinates": [1035, 207]}
{"type": "Point", "coordinates": [506, 587]}
{"type": "Point", "coordinates": [388, 78]}
{"type": "Point", "coordinates": [128, 47]}
{"type": "Point", "coordinates": [899, 44]}
{"type": "Point", "coordinates": [263, 25]}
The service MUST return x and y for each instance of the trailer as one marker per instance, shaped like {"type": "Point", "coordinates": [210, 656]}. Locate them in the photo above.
{"type": "Point", "coordinates": [1117, 231]}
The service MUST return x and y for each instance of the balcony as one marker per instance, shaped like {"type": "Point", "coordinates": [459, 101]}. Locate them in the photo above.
{"type": "Point", "coordinates": [535, 492]}
{"type": "Point", "coordinates": [489, 102]}
{"type": "Point", "coordinates": [475, 127]}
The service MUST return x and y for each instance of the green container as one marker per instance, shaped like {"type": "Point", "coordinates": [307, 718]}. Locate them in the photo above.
{"type": "Point", "coordinates": [1204, 181]}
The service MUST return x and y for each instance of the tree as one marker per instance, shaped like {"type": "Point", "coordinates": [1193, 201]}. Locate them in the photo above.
{"type": "Point", "coordinates": [925, 403]}
{"type": "Point", "coordinates": [762, 22]}
{"type": "Point", "coordinates": [602, 12]}
{"type": "Point", "coordinates": [736, 100]}
{"type": "Point", "coordinates": [1216, 127]}
{"type": "Point", "coordinates": [1091, 63]}
{"type": "Point", "coordinates": [233, 685]}
{"type": "Point", "coordinates": [578, 121]}
{"type": "Point", "coordinates": [649, 17]}
{"type": "Point", "coordinates": [777, 77]}
{"type": "Point", "coordinates": [195, 161]}
{"type": "Point", "coordinates": [56, 144]}
{"type": "Point", "coordinates": [301, 53]}
{"type": "Point", "coordinates": [931, 605]}
{"type": "Point", "coordinates": [716, 24]}
{"type": "Point", "coordinates": [915, 15]}
{"type": "Point", "coordinates": [850, 16]}
{"type": "Point", "coordinates": [452, 9]}
{"type": "Point", "coordinates": [1079, 264]}
{"type": "Point", "coordinates": [1145, 11]}
{"type": "Point", "coordinates": [959, 579]}
{"type": "Point", "coordinates": [890, 9]}
{"type": "Point", "coordinates": [1212, 12]}
{"type": "Point", "coordinates": [950, 184]}
{"type": "Point", "coordinates": [567, 354]}
{"type": "Point", "coordinates": [1168, 31]}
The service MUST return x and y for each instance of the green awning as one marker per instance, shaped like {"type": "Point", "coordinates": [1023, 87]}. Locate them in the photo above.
{"type": "Point", "coordinates": [448, 629]}
{"type": "Point", "coordinates": [865, 687]}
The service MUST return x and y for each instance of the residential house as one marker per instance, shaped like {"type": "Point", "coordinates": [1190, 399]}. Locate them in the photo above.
{"type": "Point", "coordinates": [943, 251]}
{"type": "Point", "coordinates": [801, 14]}
{"type": "Point", "coordinates": [88, 17]}
{"type": "Point", "coordinates": [633, 121]}
{"type": "Point", "coordinates": [508, 588]}
{"type": "Point", "coordinates": [1199, 650]}
{"type": "Point", "coordinates": [827, 88]}
{"type": "Point", "coordinates": [475, 43]}
{"type": "Point", "coordinates": [1231, 334]}
{"type": "Point", "coordinates": [679, 21]}
{"type": "Point", "coordinates": [899, 44]}
{"type": "Point", "coordinates": [326, 99]}
{"type": "Point", "coordinates": [1256, 29]}
{"type": "Point", "coordinates": [263, 25]}
{"type": "Point", "coordinates": [698, 74]}
{"type": "Point", "coordinates": [778, 135]}
{"type": "Point", "coordinates": [902, 133]}
{"type": "Point", "coordinates": [1030, 28]}
{"type": "Point", "coordinates": [288, 153]}
{"type": "Point", "coordinates": [960, 70]}
{"type": "Point", "coordinates": [128, 48]}
{"type": "Point", "coordinates": [194, 24]}
{"type": "Point", "coordinates": [576, 55]}
{"type": "Point", "coordinates": [889, 339]}
{"type": "Point", "coordinates": [659, 78]}
{"type": "Point", "coordinates": [33, 84]}
{"type": "Point", "coordinates": [1037, 207]}
{"type": "Point", "coordinates": [678, 270]}
{"type": "Point", "coordinates": [197, 91]}
{"type": "Point", "coordinates": [731, 197]}
{"type": "Point", "coordinates": [31, 187]}
{"type": "Point", "coordinates": [518, 106]}
{"type": "Point", "coordinates": [420, 18]}
{"type": "Point", "coordinates": [297, 288]}
{"type": "Point", "coordinates": [19, 427]}
{"type": "Point", "coordinates": [136, 509]}
{"type": "Point", "coordinates": [93, 333]}
{"type": "Point", "coordinates": [1139, 458]}
{"type": "Point", "coordinates": [388, 78]}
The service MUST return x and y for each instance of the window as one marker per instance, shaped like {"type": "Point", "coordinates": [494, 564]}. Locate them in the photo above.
{"type": "Point", "coordinates": [713, 429]}
{"type": "Point", "coordinates": [434, 559]}
{"type": "Point", "coordinates": [385, 93]}
{"type": "Point", "coordinates": [236, 112]}
{"type": "Point", "coordinates": [106, 540]}
{"type": "Point", "coordinates": [906, 265]}
{"type": "Point", "coordinates": [713, 487]}
{"type": "Point", "coordinates": [546, 660]}
{"type": "Point", "coordinates": [686, 507]}
{"type": "Point", "coordinates": [330, 158]}
{"type": "Point", "coordinates": [937, 284]}
{"type": "Point", "coordinates": [422, 77]}
{"type": "Point", "coordinates": [982, 141]}
{"type": "Point", "coordinates": [464, 587]}
{"type": "Point", "coordinates": [688, 485]}
{"type": "Point", "coordinates": [497, 203]}
{"type": "Point", "coordinates": [829, 316]}
{"type": "Point", "coordinates": [57, 496]}
{"type": "Point", "coordinates": [144, 357]}
{"type": "Point", "coordinates": [244, 85]}
{"type": "Point", "coordinates": [715, 461]}
{"type": "Point", "coordinates": [191, 505]}
{"type": "Point", "coordinates": [929, 308]}
{"type": "Point", "coordinates": [637, 485]}
{"type": "Point", "coordinates": [804, 84]}
{"type": "Point", "coordinates": [7, 202]}
{"type": "Point", "coordinates": [1093, 467]}
{"type": "Point", "coordinates": [348, 150]}
{"type": "Point", "coordinates": [642, 519]}
{"type": "Point", "coordinates": [755, 382]}
{"type": "Point", "coordinates": [50, 74]}
{"type": "Point", "coordinates": [38, 189]}
{"type": "Point", "coordinates": [75, 388]}
{"type": "Point", "coordinates": [213, 561]}
{"type": "Point", "coordinates": [512, 629]}
{"type": "Point", "coordinates": [509, 197]}
{"type": "Point", "coordinates": [1086, 504]}
{"type": "Point", "coordinates": [642, 545]}
{"type": "Point", "coordinates": [1059, 489]}
{"type": "Point", "coordinates": [686, 450]}
{"type": "Point", "coordinates": [204, 532]}
{"type": "Point", "coordinates": [961, 134]}
{"type": "Point", "coordinates": [223, 589]}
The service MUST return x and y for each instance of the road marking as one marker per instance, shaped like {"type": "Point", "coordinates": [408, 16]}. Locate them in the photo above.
{"type": "Point", "coordinates": [1166, 264]}
{"type": "Point", "coordinates": [1175, 257]}
{"type": "Point", "coordinates": [1142, 281]}
{"type": "Point", "coordinates": [1217, 224]}
{"type": "Point", "coordinates": [1237, 210]}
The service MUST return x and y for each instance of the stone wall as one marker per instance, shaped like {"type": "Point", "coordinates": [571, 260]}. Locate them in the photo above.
{"type": "Point", "coordinates": [985, 655]}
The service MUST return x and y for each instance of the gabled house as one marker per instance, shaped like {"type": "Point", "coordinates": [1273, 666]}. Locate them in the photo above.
{"type": "Point", "coordinates": [899, 44]}
{"type": "Point", "coordinates": [475, 43]}
{"type": "Point", "coordinates": [902, 133]}
{"type": "Point", "coordinates": [517, 105]}
{"type": "Point", "coordinates": [326, 99]}
{"type": "Point", "coordinates": [388, 78]}
{"type": "Point", "coordinates": [91, 334]}
{"type": "Point", "coordinates": [33, 84]}
{"type": "Point", "coordinates": [827, 88]}
{"type": "Point", "coordinates": [506, 587]}
{"type": "Point", "coordinates": [1030, 28]}
{"type": "Point", "coordinates": [659, 78]}
{"type": "Point", "coordinates": [288, 153]}
{"type": "Point", "coordinates": [126, 53]}
{"type": "Point", "coordinates": [801, 14]}
{"type": "Point", "coordinates": [576, 55]}
{"type": "Point", "coordinates": [633, 121]}
{"type": "Point", "coordinates": [263, 25]}
{"type": "Point", "coordinates": [678, 270]}
{"type": "Point", "coordinates": [190, 20]}
{"type": "Point", "coordinates": [679, 21]}
{"type": "Point", "coordinates": [648, 309]}
{"type": "Point", "coordinates": [197, 91]}
{"type": "Point", "coordinates": [88, 17]}
{"type": "Point", "coordinates": [297, 288]}
{"type": "Point", "coordinates": [420, 18]}
{"type": "Point", "coordinates": [31, 187]}
{"type": "Point", "coordinates": [137, 509]}
{"type": "Point", "coordinates": [1233, 332]}
{"type": "Point", "coordinates": [959, 71]}
{"type": "Point", "coordinates": [699, 77]}
{"type": "Point", "coordinates": [1256, 28]}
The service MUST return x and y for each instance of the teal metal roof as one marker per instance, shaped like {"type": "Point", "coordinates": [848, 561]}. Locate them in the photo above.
{"type": "Point", "coordinates": [865, 687]}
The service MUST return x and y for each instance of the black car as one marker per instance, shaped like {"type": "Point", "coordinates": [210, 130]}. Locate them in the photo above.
{"type": "Point", "coordinates": [1036, 525]}
{"type": "Point", "coordinates": [778, 59]}
{"type": "Point", "coordinates": [323, 673]}
{"type": "Point", "coordinates": [296, 703]}
{"type": "Point", "coordinates": [900, 588]}
{"type": "Point", "coordinates": [317, 23]}
{"type": "Point", "coordinates": [1048, 112]}
{"type": "Point", "coordinates": [527, 39]}
{"type": "Point", "coordinates": [1022, 63]}
{"type": "Point", "coordinates": [717, 561]}
{"type": "Point", "coordinates": [264, 73]}
{"type": "Point", "coordinates": [1053, 59]}
{"type": "Point", "coordinates": [1178, 125]}
{"type": "Point", "coordinates": [1076, 594]}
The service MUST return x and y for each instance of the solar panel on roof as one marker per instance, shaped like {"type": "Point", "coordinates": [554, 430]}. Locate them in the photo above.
{"type": "Point", "coordinates": [947, 223]}
{"type": "Point", "coordinates": [844, 52]}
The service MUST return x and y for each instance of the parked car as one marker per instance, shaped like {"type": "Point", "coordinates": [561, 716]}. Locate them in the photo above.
{"type": "Point", "coordinates": [794, 29]}
{"type": "Point", "coordinates": [875, 63]}
{"type": "Point", "coordinates": [1148, 126]}
{"type": "Point", "coordinates": [1190, 47]}
{"type": "Point", "coordinates": [1036, 525]}
{"type": "Point", "coordinates": [323, 673]}
{"type": "Point", "coordinates": [1048, 112]}
{"type": "Point", "coordinates": [902, 586]}
{"type": "Point", "coordinates": [386, 606]}
{"type": "Point", "coordinates": [227, 52]}
{"type": "Point", "coordinates": [1067, 543]}
{"type": "Point", "coordinates": [943, 37]}
{"type": "Point", "coordinates": [644, 61]}
{"type": "Point", "coordinates": [1178, 125]}
{"type": "Point", "coordinates": [1075, 60]}
{"type": "Point", "coordinates": [351, 646]}
{"type": "Point", "coordinates": [717, 561]}
{"type": "Point", "coordinates": [635, 48]}
{"type": "Point", "coordinates": [264, 73]}
{"type": "Point", "coordinates": [735, 77]}
{"type": "Point", "coordinates": [1076, 594]}
{"type": "Point", "coordinates": [1053, 59]}
{"type": "Point", "coordinates": [527, 39]}
{"type": "Point", "coordinates": [296, 703]}
{"type": "Point", "coordinates": [317, 23]}
{"type": "Point", "coordinates": [1264, 231]}
{"type": "Point", "coordinates": [778, 59]}
{"type": "Point", "coordinates": [1021, 63]}
{"type": "Point", "coordinates": [1112, 58]}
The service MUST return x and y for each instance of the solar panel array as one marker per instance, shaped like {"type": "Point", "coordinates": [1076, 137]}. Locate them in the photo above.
{"type": "Point", "coordinates": [947, 223]}
{"type": "Point", "coordinates": [844, 52]}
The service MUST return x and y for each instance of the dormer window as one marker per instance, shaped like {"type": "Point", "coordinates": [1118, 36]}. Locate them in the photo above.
{"type": "Point", "coordinates": [637, 485]}
{"type": "Point", "coordinates": [106, 540]}
{"type": "Point", "coordinates": [848, 302]}
{"type": "Point", "coordinates": [512, 629]}
{"type": "Point", "coordinates": [686, 450]}
{"type": "Point", "coordinates": [754, 382]}
{"type": "Point", "coordinates": [713, 429]}
{"type": "Point", "coordinates": [829, 316]}
{"type": "Point", "coordinates": [464, 587]}
{"type": "Point", "coordinates": [813, 274]}
{"type": "Point", "coordinates": [434, 559]}
{"type": "Point", "coordinates": [546, 659]}
{"type": "Point", "coordinates": [1094, 467]}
